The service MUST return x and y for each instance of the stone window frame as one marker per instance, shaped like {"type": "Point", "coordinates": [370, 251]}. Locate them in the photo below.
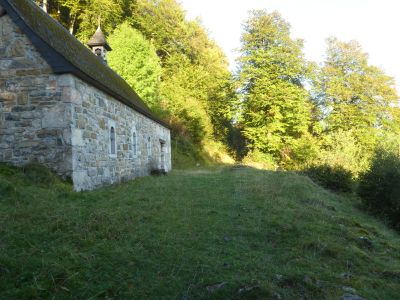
{"type": "Point", "coordinates": [111, 124]}
{"type": "Point", "coordinates": [135, 144]}
{"type": "Point", "coordinates": [163, 152]}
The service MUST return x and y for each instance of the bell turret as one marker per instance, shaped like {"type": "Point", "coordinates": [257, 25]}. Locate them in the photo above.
{"type": "Point", "coordinates": [99, 45]}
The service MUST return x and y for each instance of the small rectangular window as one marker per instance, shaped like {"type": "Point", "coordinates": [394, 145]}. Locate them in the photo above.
{"type": "Point", "coordinates": [112, 138]}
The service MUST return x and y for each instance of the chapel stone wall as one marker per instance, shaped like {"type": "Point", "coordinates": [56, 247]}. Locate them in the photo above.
{"type": "Point", "coordinates": [34, 119]}
{"type": "Point", "coordinates": [64, 123]}
{"type": "Point", "coordinates": [93, 114]}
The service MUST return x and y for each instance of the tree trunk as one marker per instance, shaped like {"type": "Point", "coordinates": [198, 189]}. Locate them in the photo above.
{"type": "Point", "coordinates": [44, 5]}
{"type": "Point", "coordinates": [71, 25]}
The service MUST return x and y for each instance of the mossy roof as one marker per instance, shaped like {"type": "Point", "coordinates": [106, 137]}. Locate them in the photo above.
{"type": "Point", "coordinates": [66, 54]}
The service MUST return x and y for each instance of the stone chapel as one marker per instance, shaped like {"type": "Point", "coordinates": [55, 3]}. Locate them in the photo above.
{"type": "Point", "coordinates": [62, 106]}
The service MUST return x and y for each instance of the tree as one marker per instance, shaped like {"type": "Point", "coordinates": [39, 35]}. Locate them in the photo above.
{"type": "Point", "coordinates": [43, 4]}
{"type": "Point", "coordinates": [136, 60]}
{"type": "Point", "coordinates": [81, 17]}
{"type": "Point", "coordinates": [196, 83]}
{"type": "Point", "coordinates": [276, 109]}
{"type": "Point", "coordinates": [71, 10]}
{"type": "Point", "coordinates": [356, 98]}
{"type": "Point", "coordinates": [196, 93]}
{"type": "Point", "coordinates": [110, 12]}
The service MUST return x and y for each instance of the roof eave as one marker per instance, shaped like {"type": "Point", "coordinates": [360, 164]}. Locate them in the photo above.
{"type": "Point", "coordinates": [98, 85]}
{"type": "Point", "coordinates": [106, 45]}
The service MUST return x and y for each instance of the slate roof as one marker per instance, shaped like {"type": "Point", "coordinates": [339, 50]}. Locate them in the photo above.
{"type": "Point", "coordinates": [65, 54]}
{"type": "Point", "coordinates": [98, 39]}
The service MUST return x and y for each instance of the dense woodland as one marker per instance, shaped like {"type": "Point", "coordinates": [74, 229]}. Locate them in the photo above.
{"type": "Point", "coordinates": [277, 109]}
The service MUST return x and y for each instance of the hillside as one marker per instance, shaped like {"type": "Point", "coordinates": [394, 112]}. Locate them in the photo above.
{"type": "Point", "coordinates": [215, 233]}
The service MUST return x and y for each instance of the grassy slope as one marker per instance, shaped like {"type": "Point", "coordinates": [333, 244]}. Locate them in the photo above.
{"type": "Point", "coordinates": [261, 233]}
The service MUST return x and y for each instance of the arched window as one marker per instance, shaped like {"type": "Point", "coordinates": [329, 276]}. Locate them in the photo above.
{"type": "Point", "coordinates": [149, 147]}
{"type": "Point", "coordinates": [134, 143]}
{"type": "Point", "coordinates": [113, 146]}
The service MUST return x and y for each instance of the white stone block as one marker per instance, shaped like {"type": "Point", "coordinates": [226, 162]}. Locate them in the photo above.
{"type": "Point", "coordinates": [76, 137]}
{"type": "Point", "coordinates": [80, 180]}
{"type": "Point", "coordinates": [66, 80]}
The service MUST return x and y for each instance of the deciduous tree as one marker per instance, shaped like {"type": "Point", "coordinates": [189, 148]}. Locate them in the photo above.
{"type": "Point", "coordinates": [355, 98]}
{"type": "Point", "coordinates": [136, 60]}
{"type": "Point", "coordinates": [276, 109]}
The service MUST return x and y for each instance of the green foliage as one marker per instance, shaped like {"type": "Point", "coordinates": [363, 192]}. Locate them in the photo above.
{"type": "Point", "coordinates": [390, 142]}
{"type": "Point", "coordinates": [335, 178]}
{"type": "Point", "coordinates": [379, 187]}
{"type": "Point", "coordinates": [68, 12]}
{"type": "Point", "coordinates": [342, 148]}
{"type": "Point", "coordinates": [185, 154]}
{"type": "Point", "coordinates": [193, 90]}
{"type": "Point", "coordinates": [301, 153]}
{"type": "Point", "coordinates": [197, 88]}
{"type": "Point", "coordinates": [276, 111]}
{"type": "Point", "coordinates": [260, 160]}
{"type": "Point", "coordinates": [355, 95]}
{"type": "Point", "coordinates": [354, 99]}
{"type": "Point", "coordinates": [263, 234]}
{"type": "Point", "coordinates": [81, 17]}
{"type": "Point", "coordinates": [163, 21]}
{"type": "Point", "coordinates": [267, 109]}
{"type": "Point", "coordinates": [236, 141]}
{"type": "Point", "coordinates": [135, 59]}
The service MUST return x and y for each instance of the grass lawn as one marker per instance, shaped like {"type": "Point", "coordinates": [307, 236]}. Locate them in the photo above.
{"type": "Point", "coordinates": [214, 234]}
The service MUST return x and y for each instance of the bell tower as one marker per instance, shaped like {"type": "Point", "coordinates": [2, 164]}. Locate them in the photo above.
{"type": "Point", "coordinates": [99, 45]}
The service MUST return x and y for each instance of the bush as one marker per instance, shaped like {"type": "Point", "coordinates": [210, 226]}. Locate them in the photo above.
{"type": "Point", "coordinates": [342, 148]}
{"type": "Point", "coordinates": [335, 178]}
{"type": "Point", "coordinates": [379, 187]}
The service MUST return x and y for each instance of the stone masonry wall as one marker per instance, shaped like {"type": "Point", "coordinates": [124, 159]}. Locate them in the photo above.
{"type": "Point", "coordinates": [33, 116]}
{"type": "Point", "coordinates": [64, 123]}
{"type": "Point", "coordinates": [94, 112]}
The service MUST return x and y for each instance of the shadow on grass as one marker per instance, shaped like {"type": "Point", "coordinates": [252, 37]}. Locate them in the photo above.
{"type": "Point", "coordinates": [230, 232]}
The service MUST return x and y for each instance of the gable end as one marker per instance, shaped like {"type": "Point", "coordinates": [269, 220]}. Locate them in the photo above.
{"type": "Point", "coordinates": [65, 54]}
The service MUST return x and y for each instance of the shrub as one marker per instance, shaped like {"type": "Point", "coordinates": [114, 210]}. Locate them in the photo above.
{"type": "Point", "coordinates": [342, 148]}
{"type": "Point", "coordinates": [335, 178]}
{"type": "Point", "coordinates": [379, 187]}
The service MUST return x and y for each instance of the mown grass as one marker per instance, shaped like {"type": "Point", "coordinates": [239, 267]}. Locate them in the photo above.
{"type": "Point", "coordinates": [225, 233]}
